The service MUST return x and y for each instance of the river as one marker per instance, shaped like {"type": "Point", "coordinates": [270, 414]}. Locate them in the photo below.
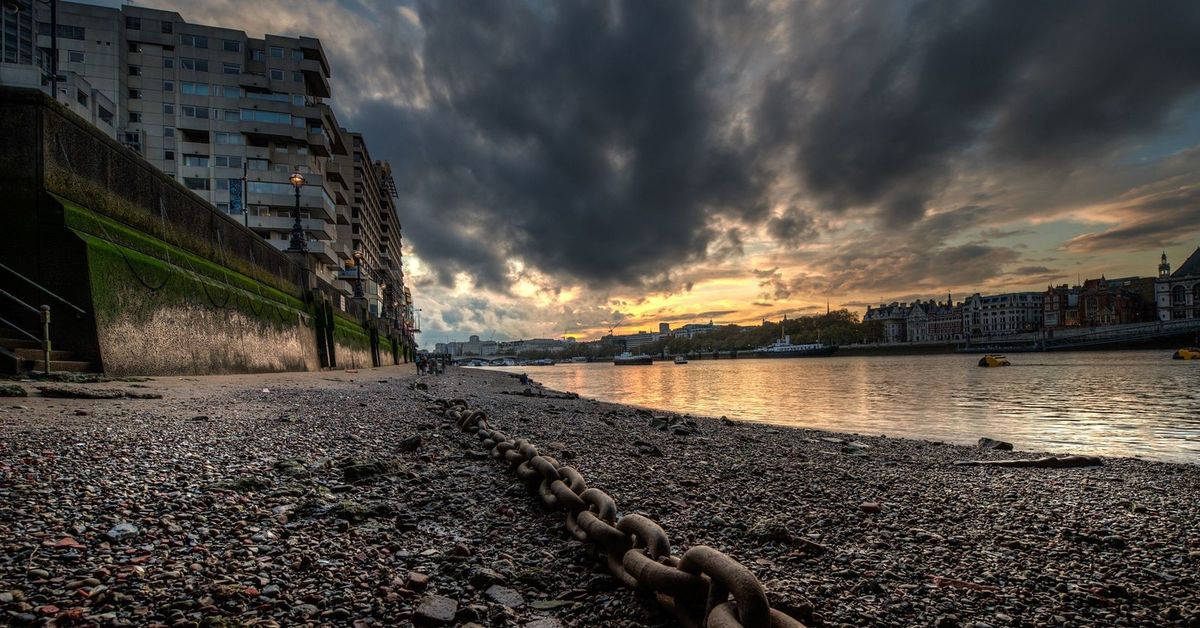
{"type": "Point", "coordinates": [1130, 403]}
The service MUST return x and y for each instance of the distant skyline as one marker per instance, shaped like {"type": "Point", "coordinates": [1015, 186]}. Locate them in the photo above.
{"type": "Point", "coordinates": [565, 165]}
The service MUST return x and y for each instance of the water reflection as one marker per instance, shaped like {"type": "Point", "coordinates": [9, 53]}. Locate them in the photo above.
{"type": "Point", "coordinates": [1138, 403]}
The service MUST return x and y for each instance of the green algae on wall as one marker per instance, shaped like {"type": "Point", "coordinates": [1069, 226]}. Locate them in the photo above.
{"type": "Point", "coordinates": [352, 342]}
{"type": "Point", "coordinates": [160, 317]}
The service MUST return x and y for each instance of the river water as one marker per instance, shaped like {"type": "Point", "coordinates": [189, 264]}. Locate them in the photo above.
{"type": "Point", "coordinates": [1129, 403]}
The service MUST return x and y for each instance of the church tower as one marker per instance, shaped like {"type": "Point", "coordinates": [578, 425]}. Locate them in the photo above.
{"type": "Point", "coordinates": [1164, 267]}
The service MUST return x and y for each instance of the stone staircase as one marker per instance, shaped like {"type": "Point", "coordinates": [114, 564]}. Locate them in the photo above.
{"type": "Point", "coordinates": [19, 354]}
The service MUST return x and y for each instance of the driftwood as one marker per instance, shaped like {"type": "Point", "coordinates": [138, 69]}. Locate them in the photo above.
{"type": "Point", "coordinates": [1049, 462]}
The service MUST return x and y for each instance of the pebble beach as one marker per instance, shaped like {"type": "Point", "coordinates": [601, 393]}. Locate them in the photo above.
{"type": "Point", "coordinates": [339, 498]}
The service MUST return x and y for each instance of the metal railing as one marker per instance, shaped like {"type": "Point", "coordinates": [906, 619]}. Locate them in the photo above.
{"type": "Point", "coordinates": [43, 314]}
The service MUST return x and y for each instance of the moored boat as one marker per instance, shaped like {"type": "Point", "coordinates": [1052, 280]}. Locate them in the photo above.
{"type": "Point", "coordinates": [679, 359]}
{"type": "Point", "coordinates": [628, 359]}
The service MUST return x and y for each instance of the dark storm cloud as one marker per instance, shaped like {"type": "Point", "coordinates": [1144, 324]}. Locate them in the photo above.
{"type": "Point", "coordinates": [1159, 220]}
{"type": "Point", "coordinates": [581, 137]}
{"type": "Point", "coordinates": [883, 105]}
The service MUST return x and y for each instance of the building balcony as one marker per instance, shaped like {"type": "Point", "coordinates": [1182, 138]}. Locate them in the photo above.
{"type": "Point", "coordinates": [270, 131]}
{"type": "Point", "coordinates": [318, 229]}
{"type": "Point", "coordinates": [314, 204]}
{"type": "Point", "coordinates": [318, 143]}
{"type": "Point", "coordinates": [319, 250]}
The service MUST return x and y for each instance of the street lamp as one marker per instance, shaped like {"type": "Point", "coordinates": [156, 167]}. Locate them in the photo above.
{"type": "Point", "coordinates": [358, 287]}
{"type": "Point", "coordinates": [299, 243]}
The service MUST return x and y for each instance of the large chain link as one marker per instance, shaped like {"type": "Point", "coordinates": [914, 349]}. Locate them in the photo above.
{"type": "Point", "coordinates": [703, 587]}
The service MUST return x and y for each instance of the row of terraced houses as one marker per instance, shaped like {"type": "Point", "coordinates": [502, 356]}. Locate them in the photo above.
{"type": "Point", "coordinates": [1093, 303]}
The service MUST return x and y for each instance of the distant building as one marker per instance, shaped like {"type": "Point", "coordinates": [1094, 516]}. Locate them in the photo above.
{"type": "Point", "coordinates": [1100, 302]}
{"type": "Point", "coordinates": [894, 318]}
{"type": "Point", "coordinates": [1003, 314]}
{"type": "Point", "coordinates": [664, 328]}
{"type": "Point", "coordinates": [691, 330]}
{"type": "Point", "coordinates": [1177, 294]}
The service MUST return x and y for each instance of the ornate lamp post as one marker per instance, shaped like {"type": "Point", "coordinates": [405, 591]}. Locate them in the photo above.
{"type": "Point", "coordinates": [358, 263]}
{"type": "Point", "coordinates": [299, 243]}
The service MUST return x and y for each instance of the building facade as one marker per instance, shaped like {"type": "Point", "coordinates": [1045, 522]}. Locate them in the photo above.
{"type": "Point", "coordinates": [1177, 294]}
{"type": "Point", "coordinates": [1003, 314]}
{"type": "Point", "coordinates": [232, 118]}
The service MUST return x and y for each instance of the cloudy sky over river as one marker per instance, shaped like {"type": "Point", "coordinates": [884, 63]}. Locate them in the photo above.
{"type": "Point", "coordinates": [675, 161]}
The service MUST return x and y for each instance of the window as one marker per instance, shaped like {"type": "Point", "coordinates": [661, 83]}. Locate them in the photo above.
{"type": "Point", "coordinates": [135, 116]}
{"type": "Point", "coordinates": [68, 32]}
{"type": "Point", "coordinates": [133, 23]}
{"type": "Point", "coordinates": [168, 155]}
{"type": "Point", "coordinates": [271, 96]}
{"type": "Point", "coordinates": [298, 100]}
{"type": "Point", "coordinates": [257, 55]}
{"type": "Point", "coordinates": [168, 86]}
{"type": "Point", "coordinates": [199, 65]}
{"type": "Point", "coordinates": [230, 91]}
{"type": "Point", "coordinates": [168, 62]}
{"type": "Point", "coordinates": [197, 161]}
{"type": "Point", "coordinates": [105, 115]}
{"type": "Point", "coordinates": [276, 52]}
{"type": "Point", "coordinates": [81, 97]}
{"type": "Point", "coordinates": [230, 138]}
{"type": "Point", "coordinates": [134, 46]}
{"type": "Point", "coordinates": [195, 41]}
{"type": "Point", "coordinates": [276, 75]}
{"type": "Point", "coordinates": [75, 56]}
{"type": "Point", "coordinates": [257, 164]}
{"type": "Point", "coordinates": [168, 108]}
{"type": "Point", "coordinates": [297, 55]}
{"type": "Point", "coordinates": [195, 112]}
{"type": "Point", "coordinates": [228, 161]}
{"type": "Point", "coordinates": [223, 206]}
{"type": "Point", "coordinates": [199, 89]}
{"type": "Point", "coordinates": [133, 138]}
{"type": "Point", "coordinates": [168, 131]}
{"type": "Point", "coordinates": [266, 116]}
{"type": "Point", "coordinates": [231, 115]}
{"type": "Point", "coordinates": [135, 70]}
{"type": "Point", "coordinates": [297, 76]}
{"type": "Point", "coordinates": [195, 183]}
{"type": "Point", "coordinates": [231, 45]}
{"type": "Point", "coordinates": [135, 94]}
{"type": "Point", "coordinates": [168, 28]}
{"type": "Point", "coordinates": [233, 68]}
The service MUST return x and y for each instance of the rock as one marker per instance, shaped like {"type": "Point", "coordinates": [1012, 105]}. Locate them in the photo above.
{"type": "Point", "coordinates": [359, 471]}
{"type": "Point", "coordinates": [504, 596]}
{"type": "Point", "coordinates": [121, 531]}
{"type": "Point", "coordinates": [659, 423]}
{"type": "Point", "coordinates": [435, 610]}
{"type": "Point", "coordinates": [484, 577]}
{"type": "Point", "coordinates": [549, 605]}
{"type": "Point", "coordinates": [242, 484]}
{"type": "Point", "coordinates": [38, 574]}
{"type": "Point", "coordinates": [412, 443]}
{"type": "Point", "coordinates": [461, 549]}
{"type": "Point", "coordinates": [994, 445]}
{"type": "Point", "coordinates": [548, 622]}
{"type": "Point", "coordinates": [417, 581]}
{"type": "Point", "coordinates": [82, 413]}
{"type": "Point", "coordinates": [359, 511]}
{"type": "Point", "coordinates": [946, 621]}
{"type": "Point", "coordinates": [292, 467]}
{"type": "Point", "coordinates": [305, 610]}
{"type": "Point", "coordinates": [12, 390]}
{"type": "Point", "coordinates": [870, 507]}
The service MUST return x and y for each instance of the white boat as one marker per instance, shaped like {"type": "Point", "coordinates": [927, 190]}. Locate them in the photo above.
{"type": "Point", "coordinates": [629, 359]}
{"type": "Point", "coordinates": [679, 359]}
{"type": "Point", "coordinates": [783, 348]}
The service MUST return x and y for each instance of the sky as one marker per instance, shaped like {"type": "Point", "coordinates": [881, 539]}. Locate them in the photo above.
{"type": "Point", "coordinates": [566, 167]}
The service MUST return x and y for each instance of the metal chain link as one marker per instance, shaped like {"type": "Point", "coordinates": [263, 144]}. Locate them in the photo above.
{"type": "Point", "coordinates": [703, 587]}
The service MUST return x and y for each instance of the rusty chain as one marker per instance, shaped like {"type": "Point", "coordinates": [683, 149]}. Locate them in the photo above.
{"type": "Point", "coordinates": [703, 587]}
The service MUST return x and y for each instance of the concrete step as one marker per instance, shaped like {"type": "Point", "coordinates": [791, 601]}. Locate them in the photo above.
{"type": "Point", "coordinates": [73, 366]}
{"type": "Point", "coordinates": [12, 344]}
{"type": "Point", "coordinates": [36, 354]}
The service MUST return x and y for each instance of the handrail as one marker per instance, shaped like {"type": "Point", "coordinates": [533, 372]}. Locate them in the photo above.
{"type": "Point", "coordinates": [20, 302]}
{"type": "Point", "coordinates": [15, 328]}
{"type": "Point", "coordinates": [43, 289]}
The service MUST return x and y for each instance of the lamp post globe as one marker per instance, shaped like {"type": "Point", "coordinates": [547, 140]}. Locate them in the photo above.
{"type": "Point", "coordinates": [299, 243]}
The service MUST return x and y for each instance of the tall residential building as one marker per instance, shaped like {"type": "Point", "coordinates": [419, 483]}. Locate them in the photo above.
{"type": "Point", "coordinates": [232, 118]}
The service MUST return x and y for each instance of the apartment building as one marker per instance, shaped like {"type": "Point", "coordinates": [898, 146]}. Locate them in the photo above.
{"type": "Point", "coordinates": [232, 117]}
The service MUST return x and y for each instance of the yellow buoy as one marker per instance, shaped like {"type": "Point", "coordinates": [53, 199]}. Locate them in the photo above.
{"type": "Point", "coordinates": [994, 360]}
{"type": "Point", "coordinates": [1187, 353]}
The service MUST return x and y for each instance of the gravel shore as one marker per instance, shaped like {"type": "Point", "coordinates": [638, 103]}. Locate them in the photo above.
{"type": "Point", "coordinates": [338, 498]}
